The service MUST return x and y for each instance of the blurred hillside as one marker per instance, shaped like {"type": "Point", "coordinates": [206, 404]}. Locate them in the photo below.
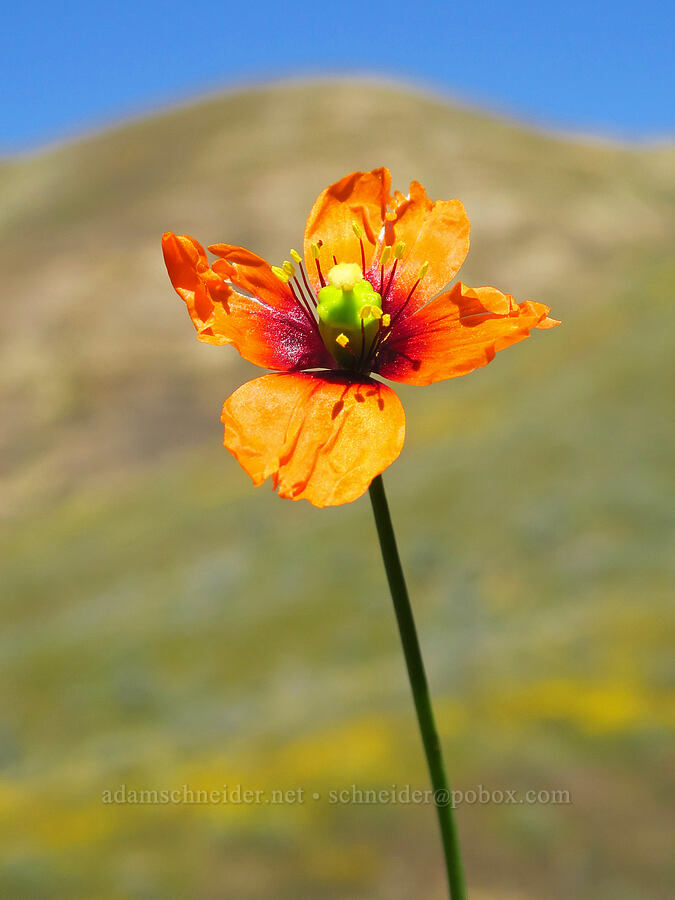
{"type": "Point", "coordinates": [165, 624]}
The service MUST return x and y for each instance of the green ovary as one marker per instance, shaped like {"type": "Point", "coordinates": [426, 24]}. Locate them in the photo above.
{"type": "Point", "coordinates": [347, 325]}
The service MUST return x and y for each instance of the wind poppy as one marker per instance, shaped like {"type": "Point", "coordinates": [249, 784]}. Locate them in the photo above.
{"type": "Point", "coordinates": [369, 301]}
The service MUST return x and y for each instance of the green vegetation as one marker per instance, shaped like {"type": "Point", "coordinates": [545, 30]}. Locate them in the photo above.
{"type": "Point", "coordinates": [165, 624]}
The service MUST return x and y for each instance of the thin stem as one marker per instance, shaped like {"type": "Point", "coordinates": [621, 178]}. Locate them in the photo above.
{"type": "Point", "coordinates": [304, 306]}
{"type": "Point", "coordinates": [420, 690]}
{"type": "Point", "coordinates": [310, 292]}
{"type": "Point", "coordinates": [397, 315]}
{"type": "Point", "coordinates": [319, 272]}
{"type": "Point", "coordinates": [391, 278]}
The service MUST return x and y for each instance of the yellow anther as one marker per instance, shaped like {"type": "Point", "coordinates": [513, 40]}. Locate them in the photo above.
{"type": "Point", "coordinates": [370, 311]}
{"type": "Point", "coordinates": [399, 249]}
{"type": "Point", "coordinates": [342, 340]}
{"type": "Point", "coordinates": [281, 275]}
{"type": "Point", "coordinates": [386, 320]}
{"type": "Point", "coordinates": [289, 268]}
{"type": "Point", "coordinates": [315, 251]}
{"type": "Point", "coordinates": [296, 256]}
{"type": "Point", "coordinates": [386, 253]}
{"type": "Point", "coordinates": [423, 270]}
{"type": "Point", "coordinates": [345, 276]}
{"type": "Point", "coordinates": [358, 231]}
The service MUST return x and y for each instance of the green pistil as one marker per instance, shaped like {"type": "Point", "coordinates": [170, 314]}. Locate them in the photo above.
{"type": "Point", "coordinates": [349, 315]}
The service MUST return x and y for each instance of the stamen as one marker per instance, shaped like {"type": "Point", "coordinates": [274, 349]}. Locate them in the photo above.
{"type": "Point", "coordinates": [280, 274]}
{"type": "Point", "coordinates": [307, 294]}
{"type": "Point", "coordinates": [358, 231]}
{"type": "Point", "coordinates": [384, 323]}
{"type": "Point", "coordinates": [309, 291]}
{"type": "Point", "coordinates": [399, 250]}
{"type": "Point", "coordinates": [391, 278]}
{"type": "Point", "coordinates": [315, 254]}
{"type": "Point", "coordinates": [301, 297]}
{"type": "Point", "coordinates": [342, 340]}
{"type": "Point", "coordinates": [363, 344]}
{"type": "Point", "coordinates": [384, 258]}
{"type": "Point", "coordinates": [386, 320]}
{"type": "Point", "coordinates": [284, 274]}
{"type": "Point", "coordinates": [370, 310]}
{"type": "Point", "coordinates": [304, 307]}
{"type": "Point", "coordinates": [422, 272]}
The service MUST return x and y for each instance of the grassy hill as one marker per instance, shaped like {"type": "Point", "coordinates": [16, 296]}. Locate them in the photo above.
{"type": "Point", "coordinates": [165, 624]}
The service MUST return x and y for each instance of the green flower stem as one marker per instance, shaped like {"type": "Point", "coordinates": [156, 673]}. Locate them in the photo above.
{"type": "Point", "coordinates": [420, 690]}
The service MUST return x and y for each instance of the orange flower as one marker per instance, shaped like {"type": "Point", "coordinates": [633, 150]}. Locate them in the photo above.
{"type": "Point", "coordinates": [371, 300]}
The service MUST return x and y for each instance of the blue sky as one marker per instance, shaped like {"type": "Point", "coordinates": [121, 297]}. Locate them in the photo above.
{"type": "Point", "coordinates": [596, 67]}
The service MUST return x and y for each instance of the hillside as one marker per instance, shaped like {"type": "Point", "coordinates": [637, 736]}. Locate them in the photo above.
{"type": "Point", "coordinates": [165, 624]}
{"type": "Point", "coordinates": [98, 358]}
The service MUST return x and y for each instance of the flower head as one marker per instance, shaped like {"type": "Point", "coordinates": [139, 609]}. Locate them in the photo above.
{"type": "Point", "coordinates": [370, 299]}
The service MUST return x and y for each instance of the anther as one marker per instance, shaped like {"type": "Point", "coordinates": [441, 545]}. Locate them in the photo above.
{"type": "Point", "coordinates": [399, 249]}
{"type": "Point", "coordinates": [296, 257]}
{"type": "Point", "coordinates": [280, 274]}
{"type": "Point", "coordinates": [370, 311]}
{"type": "Point", "coordinates": [386, 320]}
{"type": "Point", "coordinates": [289, 268]}
{"type": "Point", "coordinates": [342, 340]}
{"type": "Point", "coordinates": [386, 253]}
{"type": "Point", "coordinates": [315, 254]}
{"type": "Point", "coordinates": [423, 270]}
{"type": "Point", "coordinates": [358, 231]}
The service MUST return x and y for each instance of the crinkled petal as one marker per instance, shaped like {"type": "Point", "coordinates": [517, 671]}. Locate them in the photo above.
{"type": "Point", "coordinates": [268, 329]}
{"type": "Point", "coordinates": [456, 333]}
{"type": "Point", "coordinates": [434, 232]}
{"type": "Point", "coordinates": [321, 437]}
{"type": "Point", "coordinates": [254, 274]}
{"type": "Point", "coordinates": [361, 197]}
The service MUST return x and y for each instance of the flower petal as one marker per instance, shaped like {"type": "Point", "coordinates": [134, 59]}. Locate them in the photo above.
{"type": "Point", "coordinates": [252, 273]}
{"type": "Point", "coordinates": [322, 438]}
{"type": "Point", "coordinates": [457, 332]}
{"type": "Point", "coordinates": [361, 197]}
{"type": "Point", "coordinates": [434, 232]}
{"type": "Point", "coordinates": [268, 329]}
